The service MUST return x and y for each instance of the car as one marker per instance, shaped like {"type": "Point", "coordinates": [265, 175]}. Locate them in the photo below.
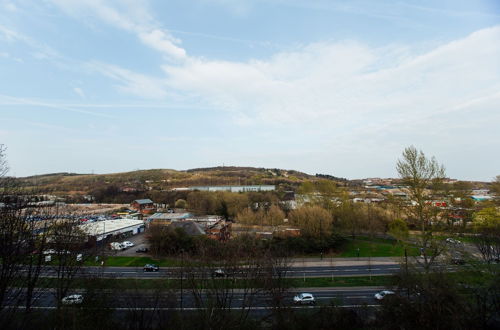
{"type": "Point", "coordinates": [74, 299]}
{"type": "Point", "coordinates": [116, 246]}
{"type": "Point", "coordinates": [494, 260]}
{"type": "Point", "coordinates": [150, 268]}
{"type": "Point", "coordinates": [453, 241]}
{"type": "Point", "coordinates": [219, 272]}
{"type": "Point", "coordinates": [142, 250]}
{"type": "Point", "coordinates": [49, 251]}
{"type": "Point", "coordinates": [457, 261]}
{"type": "Point", "coordinates": [304, 299]}
{"type": "Point", "coordinates": [383, 294]}
{"type": "Point", "coordinates": [127, 244]}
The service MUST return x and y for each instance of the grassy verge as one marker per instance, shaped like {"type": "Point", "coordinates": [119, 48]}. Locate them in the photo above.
{"type": "Point", "coordinates": [115, 261]}
{"type": "Point", "coordinates": [323, 282]}
{"type": "Point", "coordinates": [374, 248]}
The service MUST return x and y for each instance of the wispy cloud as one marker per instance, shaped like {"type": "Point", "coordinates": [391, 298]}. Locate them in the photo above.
{"type": "Point", "coordinates": [41, 50]}
{"type": "Point", "coordinates": [80, 92]}
{"type": "Point", "coordinates": [19, 101]}
{"type": "Point", "coordinates": [131, 16]}
{"type": "Point", "coordinates": [132, 82]}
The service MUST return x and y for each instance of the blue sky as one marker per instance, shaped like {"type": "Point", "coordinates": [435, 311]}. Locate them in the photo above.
{"type": "Point", "coordinates": [336, 87]}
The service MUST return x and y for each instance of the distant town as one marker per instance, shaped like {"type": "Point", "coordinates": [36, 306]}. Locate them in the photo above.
{"type": "Point", "coordinates": [161, 247]}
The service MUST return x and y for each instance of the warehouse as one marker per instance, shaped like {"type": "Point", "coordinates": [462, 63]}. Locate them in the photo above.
{"type": "Point", "coordinates": [108, 228]}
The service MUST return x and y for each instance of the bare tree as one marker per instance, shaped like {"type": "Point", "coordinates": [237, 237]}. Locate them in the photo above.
{"type": "Point", "coordinates": [22, 239]}
{"type": "Point", "coordinates": [67, 241]}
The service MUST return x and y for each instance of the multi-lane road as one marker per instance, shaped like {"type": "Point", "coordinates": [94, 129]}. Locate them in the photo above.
{"type": "Point", "coordinates": [149, 300]}
{"type": "Point", "coordinates": [293, 271]}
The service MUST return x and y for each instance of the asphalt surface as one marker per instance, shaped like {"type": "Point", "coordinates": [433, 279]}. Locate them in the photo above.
{"type": "Point", "coordinates": [343, 297]}
{"type": "Point", "coordinates": [173, 272]}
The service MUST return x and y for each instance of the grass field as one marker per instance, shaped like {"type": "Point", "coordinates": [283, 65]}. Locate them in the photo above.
{"type": "Point", "coordinates": [115, 261]}
{"type": "Point", "coordinates": [322, 282]}
{"type": "Point", "coordinates": [376, 247]}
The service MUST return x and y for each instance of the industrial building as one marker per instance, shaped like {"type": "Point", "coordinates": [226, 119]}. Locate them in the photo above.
{"type": "Point", "coordinates": [235, 188]}
{"type": "Point", "coordinates": [109, 228]}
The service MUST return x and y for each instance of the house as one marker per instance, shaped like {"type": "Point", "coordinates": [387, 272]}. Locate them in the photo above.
{"type": "Point", "coordinates": [143, 206]}
{"type": "Point", "coordinates": [220, 231]}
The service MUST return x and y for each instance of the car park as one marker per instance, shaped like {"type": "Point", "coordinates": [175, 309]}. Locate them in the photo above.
{"type": "Point", "coordinates": [383, 294]}
{"type": "Point", "coordinates": [74, 299]}
{"type": "Point", "coordinates": [150, 268]}
{"type": "Point", "coordinates": [304, 299]}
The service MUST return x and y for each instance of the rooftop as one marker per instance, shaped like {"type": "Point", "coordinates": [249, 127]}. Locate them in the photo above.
{"type": "Point", "coordinates": [108, 226]}
{"type": "Point", "coordinates": [143, 201]}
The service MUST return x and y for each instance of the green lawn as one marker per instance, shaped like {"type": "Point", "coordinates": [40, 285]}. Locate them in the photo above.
{"type": "Point", "coordinates": [115, 261]}
{"type": "Point", "coordinates": [319, 282]}
{"type": "Point", "coordinates": [376, 247]}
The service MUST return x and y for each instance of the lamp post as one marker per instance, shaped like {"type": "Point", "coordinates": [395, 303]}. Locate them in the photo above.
{"type": "Point", "coordinates": [182, 275]}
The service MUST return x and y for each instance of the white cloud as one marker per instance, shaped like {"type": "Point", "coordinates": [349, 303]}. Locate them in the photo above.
{"type": "Point", "coordinates": [132, 82]}
{"type": "Point", "coordinates": [159, 40]}
{"type": "Point", "coordinates": [338, 83]}
{"type": "Point", "coordinates": [80, 92]}
{"type": "Point", "coordinates": [131, 16]}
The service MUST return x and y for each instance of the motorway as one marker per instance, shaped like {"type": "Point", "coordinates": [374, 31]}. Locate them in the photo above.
{"type": "Point", "coordinates": [149, 300]}
{"type": "Point", "coordinates": [294, 271]}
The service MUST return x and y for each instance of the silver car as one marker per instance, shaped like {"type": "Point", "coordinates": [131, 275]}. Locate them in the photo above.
{"type": "Point", "coordinates": [74, 299]}
{"type": "Point", "coordinates": [304, 299]}
{"type": "Point", "coordinates": [382, 294]}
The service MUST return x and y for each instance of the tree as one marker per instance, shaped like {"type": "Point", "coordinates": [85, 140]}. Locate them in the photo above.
{"type": "Point", "coordinates": [398, 229]}
{"type": "Point", "coordinates": [486, 224]}
{"type": "Point", "coordinates": [313, 221]}
{"type": "Point", "coordinates": [22, 240]}
{"type": "Point", "coordinates": [419, 173]}
{"type": "Point", "coordinates": [180, 204]}
{"type": "Point", "coordinates": [495, 186]}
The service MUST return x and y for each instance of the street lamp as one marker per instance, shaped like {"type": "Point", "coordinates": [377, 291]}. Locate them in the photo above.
{"type": "Point", "coordinates": [182, 275]}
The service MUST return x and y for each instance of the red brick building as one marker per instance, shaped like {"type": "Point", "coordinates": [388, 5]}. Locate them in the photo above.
{"type": "Point", "coordinates": [143, 206]}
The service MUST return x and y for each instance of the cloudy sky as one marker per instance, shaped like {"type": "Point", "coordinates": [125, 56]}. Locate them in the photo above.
{"type": "Point", "coordinates": [321, 86]}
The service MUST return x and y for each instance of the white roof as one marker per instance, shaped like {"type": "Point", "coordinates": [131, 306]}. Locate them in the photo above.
{"type": "Point", "coordinates": [108, 226]}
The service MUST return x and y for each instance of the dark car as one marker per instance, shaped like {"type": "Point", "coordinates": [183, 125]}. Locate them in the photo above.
{"type": "Point", "coordinates": [219, 272]}
{"type": "Point", "coordinates": [142, 250]}
{"type": "Point", "coordinates": [150, 268]}
{"type": "Point", "coordinates": [457, 261]}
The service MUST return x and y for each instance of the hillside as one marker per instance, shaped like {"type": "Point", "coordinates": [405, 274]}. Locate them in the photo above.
{"type": "Point", "coordinates": [164, 179]}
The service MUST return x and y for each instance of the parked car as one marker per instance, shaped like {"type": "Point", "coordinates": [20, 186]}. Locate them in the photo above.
{"type": "Point", "coordinates": [74, 299]}
{"type": "Point", "coordinates": [150, 268]}
{"type": "Point", "coordinates": [127, 244]}
{"type": "Point", "coordinates": [383, 294]}
{"type": "Point", "coordinates": [49, 251]}
{"type": "Point", "coordinates": [116, 246]}
{"type": "Point", "coordinates": [304, 299]}
{"type": "Point", "coordinates": [142, 250]}
{"type": "Point", "coordinates": [453, 241]}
